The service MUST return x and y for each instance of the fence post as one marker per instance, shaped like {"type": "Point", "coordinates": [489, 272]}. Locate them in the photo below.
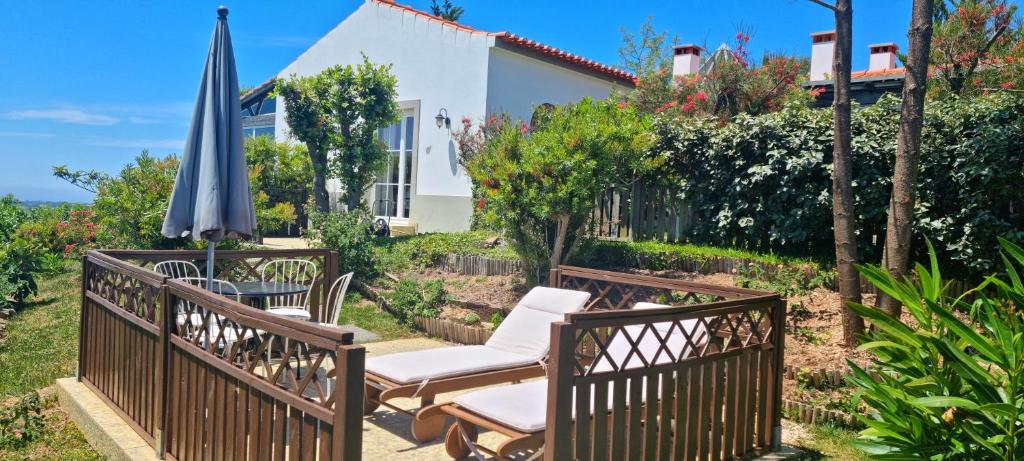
{"type": "Point", "coordinates": [82, 318]}
{"type": "Point", "coordinates": [555, 278]}
{"type": "Point", "coordinates": [561, 369]}
{"type": "Point", "coordinates": [635, 202]}
{"type": "Point", "coordinates": [778, 328]}
{"type": "Point", "coordinates": [163, 368]}
{"type": "Point", "coordinates": [347, 443]}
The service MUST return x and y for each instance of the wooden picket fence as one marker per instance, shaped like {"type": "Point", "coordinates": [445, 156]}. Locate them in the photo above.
{"type": "Point", "coordinates": [641, 212]}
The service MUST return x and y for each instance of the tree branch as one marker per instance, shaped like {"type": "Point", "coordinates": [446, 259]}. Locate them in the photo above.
{"type": "Point", "coordinates": [824, 4]}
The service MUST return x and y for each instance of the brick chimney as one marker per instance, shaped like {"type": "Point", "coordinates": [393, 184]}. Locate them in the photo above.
{"type": "Point", "coordinates": [883, 56]}
{"type": "Point", "coordinates": [685, 59]}
{"type": "Point", "coordinates": [823, 45]}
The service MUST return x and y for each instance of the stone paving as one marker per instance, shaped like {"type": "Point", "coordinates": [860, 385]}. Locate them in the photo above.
{"type": "Point", "coordinates": [386, 434]}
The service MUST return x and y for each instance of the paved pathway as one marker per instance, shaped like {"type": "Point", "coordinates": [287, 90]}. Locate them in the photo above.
{"type": "Point", "coordinates": [386, 434]}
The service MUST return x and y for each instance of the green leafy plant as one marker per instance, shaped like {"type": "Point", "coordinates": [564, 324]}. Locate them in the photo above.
{"type": "Point", "coordinates": [539, 186]}
{"type": "Point", "coordinates": [496, 319]}
{"type": "Point", "coordinates": [280, 174]}
{"type": "Point", "coordinates": [970, 174]}
{"type": "Point", "coordinates": [949, 383]}
{"type": "Point", "coordinates": [20, 262]}
{"type": "Point", "coordinates": [11, 216]}
{"type": "Point", "coordinates": [340, 110]}
{"type": "Point", "coordinates": [471, 319]}
{"type": "Point", "coordinates": [348, 234]}
{"type": "Point", "coordinates": [21, 422]}
{"type": "Point", "coordinates": [412, 298]}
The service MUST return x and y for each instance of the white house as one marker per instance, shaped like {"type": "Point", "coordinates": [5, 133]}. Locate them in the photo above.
{"type": "Point", "coordinates": [442, 68]}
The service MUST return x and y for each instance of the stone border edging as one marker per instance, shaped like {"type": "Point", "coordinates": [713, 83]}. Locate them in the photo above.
{"type": "Point", "coordinates": [811, 414]}
{"type": "Point", "coordinates": [480, 265]}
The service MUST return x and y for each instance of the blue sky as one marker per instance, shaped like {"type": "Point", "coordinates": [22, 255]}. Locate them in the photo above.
{"type": "Point", "coordinates": [91, 84]}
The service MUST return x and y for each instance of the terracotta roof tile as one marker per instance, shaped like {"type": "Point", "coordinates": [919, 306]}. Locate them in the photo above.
{"type": "Point", "coordinates": [877, 73]}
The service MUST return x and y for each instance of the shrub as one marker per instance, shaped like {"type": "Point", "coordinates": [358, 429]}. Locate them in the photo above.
{"type": "Point", "coordinates": [280, 174]}
{"type": "Point", "coordinates": [496, 319]}
{"type": "Point", "coordinates": [21, 422]}
{"type": "Point", "coordinates": [764, 183]}
{"type": "Point", "coordinates": [20, 261]}
{"type": "Point", "coordinates": [398, 254]}
{"type": "Point", "coordinates": [472, 319]}
{"type": "Point", "coordinates": [539, 186]}
{"type": "Point", "coordinates": [130, 207]}
{"type": "Point", "coordinates": [348, 234]}
{"type": "Point", "coordinates": [950, 382]}
{"type": "Point", "coordinates": [411, 298]}
{"type": "Point", "coordinates": [11, 216]}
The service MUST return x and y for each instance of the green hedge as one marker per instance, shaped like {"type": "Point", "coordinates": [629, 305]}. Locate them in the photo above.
{"type": "Point", "coordinates": [764, 183]}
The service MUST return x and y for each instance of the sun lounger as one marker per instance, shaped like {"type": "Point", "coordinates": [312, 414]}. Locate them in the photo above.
{"type": "Point", "coordinates": [516, 351]}
{"type": "Point", "coordinates": [519, 411]}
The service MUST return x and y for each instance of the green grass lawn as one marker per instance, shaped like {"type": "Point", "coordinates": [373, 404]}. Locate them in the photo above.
{"type": "Point", "coordinates": [42, 338]}
{"type": "Point", "coordinates": [825, 442]}
{"type": "Point", "coordinates": [365, 314]}
{"type": "Point", "coordinates": [41, 345]}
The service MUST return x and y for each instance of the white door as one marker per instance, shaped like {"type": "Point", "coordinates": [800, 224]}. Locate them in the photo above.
{"type": "Point", "coordinates": [392, 189]}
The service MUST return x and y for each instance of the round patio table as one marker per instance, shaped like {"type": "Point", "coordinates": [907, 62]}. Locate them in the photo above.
{"type": "Point", "coordinates": [258, 291]}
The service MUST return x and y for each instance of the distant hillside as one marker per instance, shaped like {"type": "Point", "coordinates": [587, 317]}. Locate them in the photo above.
{"type": "Point", "coordinates": [29, 204]}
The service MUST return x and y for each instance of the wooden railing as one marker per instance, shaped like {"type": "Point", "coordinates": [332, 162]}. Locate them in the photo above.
{"type": "Point", "coordinates": [243, 264]}
{"type": "Point", "coordinates": [200, 376]}
{"type": "Point", "coordinates": [709, 389]}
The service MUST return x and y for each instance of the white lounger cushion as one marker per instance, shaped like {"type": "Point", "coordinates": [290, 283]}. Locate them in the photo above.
{"type": "Point", "coordinates": [522, 339]}
{"type": "Point", "coordinates": [524, 406]}
{"type": "Point", "coordinates": [443, 362]}
{"type": "Point", "coordinates": [527, 329]}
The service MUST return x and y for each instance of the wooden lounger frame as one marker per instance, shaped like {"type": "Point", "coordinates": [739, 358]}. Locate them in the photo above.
{"type": "Point", "coordinates": [427, 424]}
{"type": "Point", "coordinates": [723, 401]}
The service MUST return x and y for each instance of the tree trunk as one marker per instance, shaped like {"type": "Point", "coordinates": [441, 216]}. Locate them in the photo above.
{"type": "Point", "coordinates": [319, 160]}
{"type": "Point", "coordinates": [844, 218]}
{"type": "Point", "coordinates": [558, 247]}
{"type": "Point", "coordinates": [354, 198]}
{"type": "Point", "coordinates": [900, 225]}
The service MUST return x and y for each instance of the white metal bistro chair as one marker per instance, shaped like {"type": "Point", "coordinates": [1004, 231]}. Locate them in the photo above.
{"type": "Point", "coordinates": [291, 271]}
{"type": "Point", "coordinates": [194, 321]}
{"type": "Point", "coordinates": [331, 308]}
{"type": "Point", "coordinates": [177, 269]}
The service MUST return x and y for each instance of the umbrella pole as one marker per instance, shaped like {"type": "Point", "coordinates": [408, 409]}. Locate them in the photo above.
{"type": "Point", "coordinates": [209, 265]}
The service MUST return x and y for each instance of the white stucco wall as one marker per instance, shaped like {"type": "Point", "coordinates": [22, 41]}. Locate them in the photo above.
{"type": "Point", "coordinates": [516, 84]}
{"type": "Point", "coordinates": [439, 66]}
{"type": "Point", "coordinates": [436, 66]}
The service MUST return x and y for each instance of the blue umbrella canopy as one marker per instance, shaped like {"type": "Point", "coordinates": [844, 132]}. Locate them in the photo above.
{"type": "Point", "coordinates": [211, 198]}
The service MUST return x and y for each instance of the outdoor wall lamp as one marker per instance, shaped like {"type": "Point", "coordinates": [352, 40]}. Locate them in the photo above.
{"type": "Point", "coordinates": [442, 119]}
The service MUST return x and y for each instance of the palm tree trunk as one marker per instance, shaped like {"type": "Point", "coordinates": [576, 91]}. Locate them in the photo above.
{"type": "Point", "coordinates": [843, 215]}
{"type": "Point", "coordinates": [900, 226]}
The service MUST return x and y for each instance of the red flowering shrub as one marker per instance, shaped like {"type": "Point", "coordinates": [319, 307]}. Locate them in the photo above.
{"type": "Point", "coordinates": [729, 85]}
{"type": "Point", "coordinates": [976, 48]}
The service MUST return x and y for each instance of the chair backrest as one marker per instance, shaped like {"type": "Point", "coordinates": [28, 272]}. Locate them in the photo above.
{"type": "Point", "coordinates": [527, 329]}
{"type": "Point", "coordinates": [292, 271]}
{"type": "Point", "coordinates": [216, 285]}
{"type": "Point", "coordinates": [177, 269]}
{"type": "Point", "coordinates": [331, 309]}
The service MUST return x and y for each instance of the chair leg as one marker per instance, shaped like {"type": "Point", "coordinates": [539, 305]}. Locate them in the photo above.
{"type": "Point", "coordinates": [371, 399]}
{"type": "Point", "coordinates": [454, 445]}
{"type": "Point", "coordinates": [428, 423]}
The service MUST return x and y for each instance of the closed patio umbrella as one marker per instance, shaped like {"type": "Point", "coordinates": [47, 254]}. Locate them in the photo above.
{"type": "Point", "coordinates": [211, 198]}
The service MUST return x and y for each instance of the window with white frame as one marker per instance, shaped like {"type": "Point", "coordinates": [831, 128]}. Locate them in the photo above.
{"type": "Point", "coordinates": [392, 189]}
